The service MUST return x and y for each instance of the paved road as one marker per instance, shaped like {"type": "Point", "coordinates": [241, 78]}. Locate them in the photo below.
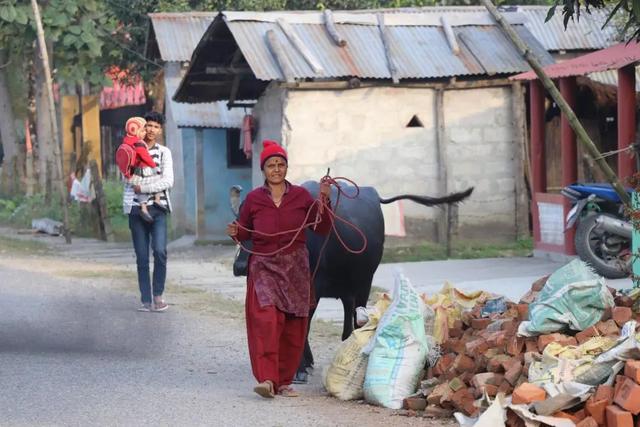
{"type": "Point", "coordinates": [74, 352]}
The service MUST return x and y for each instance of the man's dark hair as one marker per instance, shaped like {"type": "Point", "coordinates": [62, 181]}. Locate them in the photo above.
{"type": "Point", "coordinates": [154, 116]}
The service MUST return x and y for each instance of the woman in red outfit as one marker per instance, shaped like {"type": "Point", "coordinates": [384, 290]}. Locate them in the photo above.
{"type": "Point", "coordinates": [278, 285]}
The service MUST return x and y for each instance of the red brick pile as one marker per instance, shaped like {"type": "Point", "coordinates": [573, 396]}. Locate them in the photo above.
{"type": "Point", "coordinates": [485, 355]}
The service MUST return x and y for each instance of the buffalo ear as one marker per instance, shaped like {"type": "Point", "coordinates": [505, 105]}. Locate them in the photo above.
{"type": "Point", "coordinates": [234, 199]}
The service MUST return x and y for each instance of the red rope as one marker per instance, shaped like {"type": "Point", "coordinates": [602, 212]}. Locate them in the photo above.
{"type": "Point", "coordinates": [322, 204]}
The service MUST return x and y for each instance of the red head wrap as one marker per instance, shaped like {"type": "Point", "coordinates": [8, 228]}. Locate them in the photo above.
{"type": "Point", "coordinates": [270, 149]}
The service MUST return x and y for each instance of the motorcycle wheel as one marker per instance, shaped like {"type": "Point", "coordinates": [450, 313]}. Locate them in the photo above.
{"type": "Point", "coordinates": [608, 254]}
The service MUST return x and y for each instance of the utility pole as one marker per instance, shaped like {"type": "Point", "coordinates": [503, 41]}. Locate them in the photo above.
{"type": "Point", "coordinates": [54, 123]}
{"type": "Point", "coordinates": [551, 88]}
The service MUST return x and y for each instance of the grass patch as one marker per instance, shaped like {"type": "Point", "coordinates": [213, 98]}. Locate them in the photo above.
{"type": "Point", "coordinates": [9, 244]}
{"type": "Point", "coordinates": [460, 250]}
{"type": "Point", "coordinates": [325, 328]}
{"type": "Point", "coordinates": [100, 274]}
{"type": "Point", "coordinates": [203, 301]}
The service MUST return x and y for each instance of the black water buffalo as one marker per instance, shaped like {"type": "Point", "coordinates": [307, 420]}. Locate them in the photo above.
{"type": "Point", "coordinates": [344, 275]}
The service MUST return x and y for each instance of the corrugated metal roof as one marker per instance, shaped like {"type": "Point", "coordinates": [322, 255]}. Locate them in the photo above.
{"type": "Point", "coordinates": [611, 77]}
{"type": "Point", "coordinates": [393, 17]}
{"type": "Point", "coordinates": [419, 51]}
{"type": "Point", "coordinates": [205, 115]}
{"type": "Point", "coordinates": [611, 58]}
{"type": "Point", "coordinates": [178, 34]}
{"type": "Point", "coordinates": [585, 34]}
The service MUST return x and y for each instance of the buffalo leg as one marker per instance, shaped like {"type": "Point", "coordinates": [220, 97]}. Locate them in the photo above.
{"type": "Point", "coordinates": [362, 298]}
{"type": "Point", "coordinates": [349, 306]}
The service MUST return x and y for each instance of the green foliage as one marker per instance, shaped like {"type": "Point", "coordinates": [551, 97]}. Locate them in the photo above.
{"type": "Point", "coordinates": [113, 190]}
{"type": "Point", "coordinates": [77, 30]}
{"type": "Point", "coordinates": [625, 11]}
{"type": "Point", "coordinates": [19, 212]}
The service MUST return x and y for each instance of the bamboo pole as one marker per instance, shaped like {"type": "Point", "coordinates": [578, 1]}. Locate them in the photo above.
{"type": "Point", "coordinates": [281, 57]}
{"type": "Point", "coordinates": [331, 28]}
{"type": "Point", "coordinates": [54, 122]}
{"type": "Point", "coordinates": [447, 216]}
{"type": "Point", "coordinates": [551, 88]}
{"type": "Point", "coordinates": [29, 159]}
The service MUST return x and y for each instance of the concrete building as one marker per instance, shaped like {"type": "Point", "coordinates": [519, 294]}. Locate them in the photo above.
{"type": "Point", "coordinates": [204, 138]}
{"type": "Point", "coordinates": [406, 102]}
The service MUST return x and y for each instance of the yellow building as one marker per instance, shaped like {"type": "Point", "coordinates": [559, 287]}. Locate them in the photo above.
{"type": "Point", "coordinates": [80, 131]}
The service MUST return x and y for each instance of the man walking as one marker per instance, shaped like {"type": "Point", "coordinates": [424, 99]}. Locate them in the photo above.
{"type": "Point", "coordinates": [144, 233]}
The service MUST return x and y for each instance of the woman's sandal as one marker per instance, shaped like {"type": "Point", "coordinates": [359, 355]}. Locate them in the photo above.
{"type": "Point", "coordinates": [287, 391]}
{"type": "Point", "coordinates": [265, 389]}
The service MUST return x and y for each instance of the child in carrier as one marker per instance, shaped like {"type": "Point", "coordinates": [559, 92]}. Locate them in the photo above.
{"type": "Point", "coordinates": [132, 157]}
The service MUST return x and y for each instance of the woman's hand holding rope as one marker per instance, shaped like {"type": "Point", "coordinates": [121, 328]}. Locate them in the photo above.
{"type": "Point", "coordinates": [323, 201]}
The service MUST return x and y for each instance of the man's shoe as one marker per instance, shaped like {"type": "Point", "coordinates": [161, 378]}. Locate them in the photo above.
{"type": "Point", "coordinates": [160, 305]}
{"type": "Point", "coordinates": [146, 307]}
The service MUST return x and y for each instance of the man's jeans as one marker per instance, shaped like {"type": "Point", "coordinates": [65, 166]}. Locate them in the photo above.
{"type": "Point", "coordinates": [143, 233]}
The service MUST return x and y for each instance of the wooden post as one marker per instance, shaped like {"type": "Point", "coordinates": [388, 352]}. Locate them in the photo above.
{"type": "Point", "coordinates": [626, 119]}
{"type": "Point", "coordinates": [520, 136]}
{"type": "Point", "coordinates": [386, 43]}
{"type": "Point", "coordinates": [103, 214]}
{"type": "Point", "coordinates": [48, 182]}
{"type": "Point", "coordinates": [451, 37]}
{"type": "Point", "coordinates": [15, 174]}
{"type": "Point", "coordinates": [331, 28]}
{"type": "Point", "coordinates": [635, 242]}
{"type": "Point", "coordinates": [200, 194]}
{"type": "Point", "coordinates": [29, 173]}
{"type": "Point", "coordinates": [281, 56]}
{"type": "Point", "coordinates": [538, 167]}
{"type": "Point", "coordinates": [29, 159]}
{"type": "Point", "coordinates": [54, 122]}
{"type": "Point", "coordinates": [444, 231]}
{"type": "Point", "coordinates": [569, 156]}
{"type": "Point", "coordinates": [288, 30]}
{"type": "Point", "coordinates": [551, 88]}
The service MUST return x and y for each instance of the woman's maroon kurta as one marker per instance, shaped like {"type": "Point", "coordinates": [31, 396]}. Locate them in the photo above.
{"type": "Point", "coordinates": [279, 288]}
{"type": "Point", "coordinates": [283, 279]}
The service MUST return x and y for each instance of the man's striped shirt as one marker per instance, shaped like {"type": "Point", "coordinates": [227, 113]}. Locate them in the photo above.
{"type": "Point", "coordinates": [152, 182]}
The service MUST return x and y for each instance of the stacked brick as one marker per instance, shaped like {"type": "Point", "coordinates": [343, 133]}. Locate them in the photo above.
{"type": "Point", "coordinates": [484, 355]}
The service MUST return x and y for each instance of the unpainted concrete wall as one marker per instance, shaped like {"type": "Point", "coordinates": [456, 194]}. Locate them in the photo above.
{"type": "Point", "coordinates": [362, 134]}
{"type": "Point", "coordinates": [173, 140]}
{"type": "Point", "coordinates": [269, 125]}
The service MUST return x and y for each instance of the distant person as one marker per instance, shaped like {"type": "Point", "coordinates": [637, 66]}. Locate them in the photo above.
{"type": "Point", "coordinates": [279, 280]}
{"type": "Point", "coordinates": [134, 161]}
{"type": "Point", "coordinates": [144, 233]}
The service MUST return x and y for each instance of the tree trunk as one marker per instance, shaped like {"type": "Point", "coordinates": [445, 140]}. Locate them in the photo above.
{"type": "Point", "coordinates": [44, 137]}
{"type": "Point", "coordinates": [7, 127]}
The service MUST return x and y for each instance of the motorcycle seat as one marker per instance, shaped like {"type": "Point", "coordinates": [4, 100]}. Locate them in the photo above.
{"type": "Point", "coordinates": [604, 191]}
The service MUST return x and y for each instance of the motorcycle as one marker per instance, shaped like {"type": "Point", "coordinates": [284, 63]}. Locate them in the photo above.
{"type": "Point", "coordinates": [603, 233]}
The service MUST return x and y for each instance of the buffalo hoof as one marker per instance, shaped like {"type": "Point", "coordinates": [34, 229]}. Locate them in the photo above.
{"type": "Point", "coordinates": [301, 378]}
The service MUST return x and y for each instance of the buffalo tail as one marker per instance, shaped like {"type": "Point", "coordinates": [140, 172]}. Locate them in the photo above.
{"type": "Point", "coordinates": [432, 201]}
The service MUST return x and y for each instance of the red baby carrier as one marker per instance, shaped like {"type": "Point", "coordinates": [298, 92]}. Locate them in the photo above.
{"type": "Point", "coordinates": [125, 159]}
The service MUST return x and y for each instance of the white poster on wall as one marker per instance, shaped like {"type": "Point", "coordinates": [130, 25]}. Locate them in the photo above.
{"type": "Point", "coordinates": [551, 223]}
{"type": "Point", "coordinates": [394, 219]}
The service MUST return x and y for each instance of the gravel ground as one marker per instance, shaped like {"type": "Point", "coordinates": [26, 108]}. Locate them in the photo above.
{"type": "Point", "coordinates": [73, 351]}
